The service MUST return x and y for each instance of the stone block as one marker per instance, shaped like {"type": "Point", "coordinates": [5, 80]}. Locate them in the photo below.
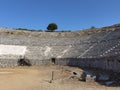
{"type": "Point", "coordinates": [90, 78]}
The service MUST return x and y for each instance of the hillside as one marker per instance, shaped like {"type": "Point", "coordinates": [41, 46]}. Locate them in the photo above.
{"type": "Point", "coordinates": [7, 31]}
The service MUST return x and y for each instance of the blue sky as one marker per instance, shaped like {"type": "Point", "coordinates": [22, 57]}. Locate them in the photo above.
{"type": "Point", "coordinates": [67, 14]}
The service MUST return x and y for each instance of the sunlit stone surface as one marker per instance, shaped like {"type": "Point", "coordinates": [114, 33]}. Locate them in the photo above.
{"type": "Point", "coordinates": [12, 50]}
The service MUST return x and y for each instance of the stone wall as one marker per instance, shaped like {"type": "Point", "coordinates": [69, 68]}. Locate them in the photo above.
{"type": "Point", "coordinates": [106, 63]}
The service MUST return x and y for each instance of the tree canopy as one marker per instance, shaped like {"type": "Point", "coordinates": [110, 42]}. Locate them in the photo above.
{"type": "Point", "coordinates": [52, 27]}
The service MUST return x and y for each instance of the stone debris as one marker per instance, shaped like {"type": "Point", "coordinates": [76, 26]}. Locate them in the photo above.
{"type": "Point", "coordinates": [103, 77]}
{"type": "Point", "coordinates": [108, 83]}
{"type": "Point", "coordinates": [90, 78]}
{"type": "Point", "coordinates": [75, 75]}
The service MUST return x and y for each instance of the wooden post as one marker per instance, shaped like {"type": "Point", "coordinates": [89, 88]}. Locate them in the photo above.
{"type": "Point", "coordinates": [62, 69]}
{"type": "Point", "coordinates": [52, 75]}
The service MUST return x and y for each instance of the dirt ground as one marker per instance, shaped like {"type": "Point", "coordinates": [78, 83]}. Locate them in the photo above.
{"type": "Point", "coordinates": [39, 78]}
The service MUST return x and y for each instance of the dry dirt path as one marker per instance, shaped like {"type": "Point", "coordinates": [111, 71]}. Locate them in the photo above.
{"type": "Point", "coordinates": [37, 78]}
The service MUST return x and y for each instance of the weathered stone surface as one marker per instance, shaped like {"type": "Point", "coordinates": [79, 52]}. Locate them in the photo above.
{"type": "Point", "coordinates": [90, 78]}
{"type": "Point", "coordinates": [103, 77]}
{"type": "Point", "coordinates": [84, 48]}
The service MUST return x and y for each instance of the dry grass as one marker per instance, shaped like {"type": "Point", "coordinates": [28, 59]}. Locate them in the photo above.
{"type": "Point", "coordinates": [38, 78]}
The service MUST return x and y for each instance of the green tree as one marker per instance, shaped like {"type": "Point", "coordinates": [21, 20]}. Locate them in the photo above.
{"type": "Point", "coordinates": [92, 27]}
{"type": "Point", "coordinates": [52, 27]}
